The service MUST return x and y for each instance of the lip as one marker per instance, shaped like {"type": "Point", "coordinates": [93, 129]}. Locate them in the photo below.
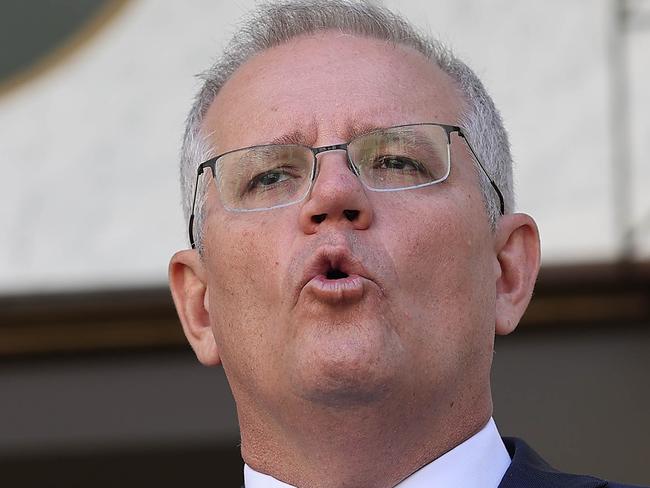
{"type": "Point", "coordinates": [342, 290]}
{"type": "Point", "coordinates": [348, 289]}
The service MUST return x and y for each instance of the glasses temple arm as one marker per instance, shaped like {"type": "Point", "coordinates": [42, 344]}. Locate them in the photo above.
{"type": "Point", "coordinates": [487, 175]}
{"type": "Point", "coordinates": [191, 219]}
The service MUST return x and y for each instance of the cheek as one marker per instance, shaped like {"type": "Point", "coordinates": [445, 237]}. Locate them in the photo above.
{"type": "Point", "coordinates": [243, 262]}
{"type": "Point", "coordinates": [243, 267]}
{"type": "Point", "coordinates": [449, 292]}
{"type": "Point", "coordinates": [443, 262]}
{"type": "Point", "coordinates": [245, 259]}
{"type": "Point", "coordinates": [439, 263]}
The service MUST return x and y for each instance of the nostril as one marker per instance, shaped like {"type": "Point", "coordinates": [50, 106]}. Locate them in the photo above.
{"type": "Point", "coordinates": [317, 219]}
{"type": "Point", "coordinates": [351, 215]}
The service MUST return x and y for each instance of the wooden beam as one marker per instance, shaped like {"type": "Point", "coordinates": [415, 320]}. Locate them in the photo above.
{"type": "Point", "coordinates": [144, 318]}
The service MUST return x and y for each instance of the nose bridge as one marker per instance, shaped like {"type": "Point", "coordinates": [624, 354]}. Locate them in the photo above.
{"type": "Point", "coordinates": [318, 151]}
{"type": "Point", "coordinates": [337, 196]}
{"type": "Point", "coordinates": [331, 147]}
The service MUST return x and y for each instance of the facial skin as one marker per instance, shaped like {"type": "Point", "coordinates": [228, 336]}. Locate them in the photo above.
{"type": "Point", "coordinates": [397, 362]}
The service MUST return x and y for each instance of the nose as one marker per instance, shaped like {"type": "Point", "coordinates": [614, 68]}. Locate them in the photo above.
{"type": "Point", "coordinates": [337, 197]}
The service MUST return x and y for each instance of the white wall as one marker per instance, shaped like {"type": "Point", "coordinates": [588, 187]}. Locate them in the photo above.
{"type": "Point", "coordinates": [88, 151]}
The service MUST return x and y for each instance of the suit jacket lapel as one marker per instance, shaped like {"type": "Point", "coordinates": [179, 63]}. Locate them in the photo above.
{"type": "Point", "coordinates": [529, 470]}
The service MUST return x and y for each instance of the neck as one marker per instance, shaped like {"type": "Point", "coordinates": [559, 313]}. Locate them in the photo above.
{"type": "Point", "coordinates": [357, 446]}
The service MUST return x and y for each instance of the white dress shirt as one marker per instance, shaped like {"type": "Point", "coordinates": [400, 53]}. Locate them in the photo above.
{"type": "Point", "coordinates": [479, 462]}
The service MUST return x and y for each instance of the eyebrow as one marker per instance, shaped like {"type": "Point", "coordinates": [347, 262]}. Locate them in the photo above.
{"type": "Point", "coordinates": [352, 131]}
{"type": "Point", "coordinates": [295, 137]}
{"type": "Point", "coordinates": [357, 129]}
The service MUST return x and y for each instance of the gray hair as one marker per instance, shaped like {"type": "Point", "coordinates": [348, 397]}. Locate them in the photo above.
{"type": "Point", "coordinates": [274, 23]}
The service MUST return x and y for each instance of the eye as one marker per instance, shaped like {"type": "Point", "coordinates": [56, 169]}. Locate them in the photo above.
{"type": "Point", "coordinates": [268, 179]}
{"type": "Point", "coordinates": [397, 163]}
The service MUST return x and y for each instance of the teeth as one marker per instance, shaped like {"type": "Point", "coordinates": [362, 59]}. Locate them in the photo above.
{"type": "Point", "coordinates": [336, 274]}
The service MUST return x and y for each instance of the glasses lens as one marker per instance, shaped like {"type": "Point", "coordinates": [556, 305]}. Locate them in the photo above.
{"type": "Point", "coordinates": [401, 157]}
{"type": "Point", "coordinates": [263, 177]}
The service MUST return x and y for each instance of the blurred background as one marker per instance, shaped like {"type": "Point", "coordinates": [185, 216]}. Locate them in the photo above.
{"type": "Point", "coordinates": [97, 384]}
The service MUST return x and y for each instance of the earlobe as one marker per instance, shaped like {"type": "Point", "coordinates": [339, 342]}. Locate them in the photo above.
{"type": "Point", "coordinates": [188, 284]}
{"type": "Point", "coordinates": [518, 255]}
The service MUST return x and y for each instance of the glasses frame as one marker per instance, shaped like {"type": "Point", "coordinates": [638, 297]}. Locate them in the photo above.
{"type": "Point", "coordinates": [449, 129]}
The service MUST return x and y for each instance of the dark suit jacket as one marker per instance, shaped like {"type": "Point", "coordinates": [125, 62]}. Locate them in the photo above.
{"type": "Point", "coordinates": [529, 470]}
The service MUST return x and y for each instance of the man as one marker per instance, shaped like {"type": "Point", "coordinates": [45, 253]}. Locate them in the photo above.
{"type": "Point", "coordinates": [348, 190]}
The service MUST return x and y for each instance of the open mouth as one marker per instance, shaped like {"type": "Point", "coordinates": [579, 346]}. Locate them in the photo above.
{"type": "Point", "coordinates": [334, 277]}
{"type": "Point", "coordinates": [335, 274]}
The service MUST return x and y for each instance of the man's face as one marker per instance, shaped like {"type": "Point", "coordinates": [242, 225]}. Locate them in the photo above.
{"type": "Point", "coordinates": [415, 315]}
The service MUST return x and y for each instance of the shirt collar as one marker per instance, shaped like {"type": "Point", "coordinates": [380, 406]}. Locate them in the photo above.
{"type": "Point", "coordinates": [253, 479]}
{"type": "Point", "coordinates": [479, 462]}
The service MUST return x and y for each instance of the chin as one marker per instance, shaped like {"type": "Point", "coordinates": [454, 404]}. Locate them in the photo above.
{"type": "Point", "coordinates": [347, 367]}
{"type": "Point", "coordinates": [346, 395]}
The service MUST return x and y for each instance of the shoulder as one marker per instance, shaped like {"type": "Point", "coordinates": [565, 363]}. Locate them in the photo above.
{"type": "Point", "coordinates": [611, 484]}
{"type": "Point", "coordinates": [529, 470]}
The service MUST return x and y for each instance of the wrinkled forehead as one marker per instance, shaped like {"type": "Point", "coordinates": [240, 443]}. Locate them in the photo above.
{"type": "Point", "coordinates": [328, 87]}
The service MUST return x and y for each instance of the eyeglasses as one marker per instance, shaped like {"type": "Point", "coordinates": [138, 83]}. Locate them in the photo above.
{"type": "Point", "coordinates": [271, 176]}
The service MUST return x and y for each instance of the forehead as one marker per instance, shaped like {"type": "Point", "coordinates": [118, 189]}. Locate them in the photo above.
{"type": "Point", "coordinates": [326, 87]}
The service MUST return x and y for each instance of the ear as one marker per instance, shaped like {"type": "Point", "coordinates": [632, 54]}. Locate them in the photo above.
{"type": "Point", "coordinates": [518, 255]}
{"type": "Point", "coordinates": [187, 280]}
